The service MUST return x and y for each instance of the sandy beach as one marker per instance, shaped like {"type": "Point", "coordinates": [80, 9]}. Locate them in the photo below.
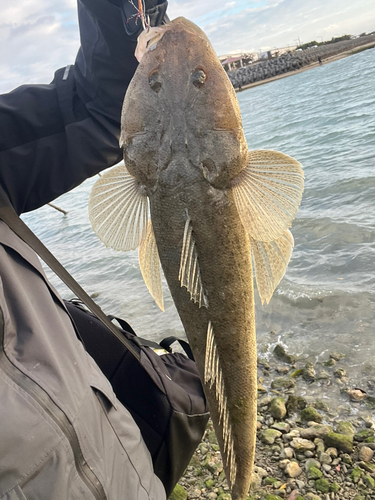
{"type": "Point", "coordinates": [306, 68]}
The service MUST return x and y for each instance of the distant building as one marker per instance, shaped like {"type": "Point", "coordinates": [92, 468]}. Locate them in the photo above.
{"type": "Point", "coordinates": [231, 62]}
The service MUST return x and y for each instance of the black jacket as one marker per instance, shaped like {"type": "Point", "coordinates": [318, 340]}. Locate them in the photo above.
{"type": "Point", "coordinates": [55, 136]}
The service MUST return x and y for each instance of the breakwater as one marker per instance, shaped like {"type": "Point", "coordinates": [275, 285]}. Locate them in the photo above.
{"type": "Point", "coordinates": [293, 61]}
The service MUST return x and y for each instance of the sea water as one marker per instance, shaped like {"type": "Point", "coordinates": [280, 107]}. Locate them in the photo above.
{"type": "Point", "coordinates": [325, 118]}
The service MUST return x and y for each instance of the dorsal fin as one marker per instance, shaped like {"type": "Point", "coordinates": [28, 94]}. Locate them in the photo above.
{"type": "Point", "coordinates": [268, 193]}
{"type": "Point", "coordinates": [189, 274]}
{"type": "Point", "coordinates": [213, 376]}
{"type": "Point", "coordinates": [118, 209]}
{"type": "Point", "coordinates": [150, 266]}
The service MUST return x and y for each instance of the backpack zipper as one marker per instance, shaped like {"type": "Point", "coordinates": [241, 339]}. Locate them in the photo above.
{"type": "Point", "coordinates": [56, 414]}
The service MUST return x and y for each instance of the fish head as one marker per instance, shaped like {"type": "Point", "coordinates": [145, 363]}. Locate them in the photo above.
{"type": "Point", "coordinates": [181, 109]}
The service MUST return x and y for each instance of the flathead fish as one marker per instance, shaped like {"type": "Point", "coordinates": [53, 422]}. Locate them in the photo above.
{"type": "Point", "coordinates": [215, 207]}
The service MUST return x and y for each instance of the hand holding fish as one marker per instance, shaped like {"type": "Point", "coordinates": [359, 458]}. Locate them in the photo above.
{"type": "Point", "coordinates": [215, 207]}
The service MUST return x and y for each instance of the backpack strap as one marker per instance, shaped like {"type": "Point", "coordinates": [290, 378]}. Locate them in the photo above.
{"type": "Point", "coordinates": [168, 341]}
{"type": "Point", "coordinates": [10, 217]}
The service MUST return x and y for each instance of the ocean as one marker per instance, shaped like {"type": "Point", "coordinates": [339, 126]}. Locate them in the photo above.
{"type": "Point", "coordinates": [325, 118]}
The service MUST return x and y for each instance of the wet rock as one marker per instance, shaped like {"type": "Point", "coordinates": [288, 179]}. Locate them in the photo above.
{"type": "Point", "coordinates": [282, 383]}
{"type": "Point", "coordinates": [319, 443]}
{"type": "Point", "coordinates": [357, 394]}
{"type": "Point", "coordinates": [369, 423]}
{"type": "Point", "coordinates": [339, 441]}
{"type": "Point", "coordinates": [270, 481]}
{"type": "Point", "coordinates": [283, 370]}
{"type": "Point", "coordinates": [320, 405]}
{"type": "Point", "coordinates": [370, 402]}
{"type": "Point", "coordinates": [292, 434]}
{"type": "Point", "coordinates": [334, 487]}
{"type": "Point", "coordinates": [339, 373]}
{"type": "Point", "coordinates": [284, 463]}
{"type": "Point", "coordinates": [311, 462]}
{"type": "Point", "coordinates": [308, 372]}
{"type": "Point", "coordinates": [259, 470]}
{"type": "Point", "coordinates": [332, 452]}
{"type": "Point", "coordinates": [302, 445]}
{"type": "Point", "coordinates": [322, 485]}
{"type": "Point", "coordinates": [369, 482]}
{"type": "Point", "coordinates": [293, 470]}
{"type": "Point", "coordinates": [323, 375]}
{"type": "Point", "coordinates": [256, 481]}
{"type": "Point", "coordinates": [324, 458]}
{"type": "Point", "coordinates": [287, 453]}
{"type": "Point", "coordinates": [313, 473]}
{"type": "Point", "coordinates": [212, 437]}
{"type": "Point", "coordinates": [356, 474]}
{"type": "Point", "coordinates": [315, 431]}
{"type": "Point", "coordinates": [365, 454]}
{"type": "Point", "coordinates": [337, 356]}
{"type": "Point", "coordinates": [281, 354]}
{"type": "Point", "coordinates": [346, 458]}
{"type": "Point", "coordinates": [312, 496]}
{"type": "Point", "coordinates": [269, 435]}
{"type": "Point", "coordinates": [263, 363]}
{"type": "Point", "coordinates": [281, 426]}
{"type": "Point", "coordinates": [179, 493]}
{"type": "Point", "coordinates": [345, 428]}
{"type": "Point", "coordinates": [329, 362]}
{"type": "Point", "coordinates": [364, 435]}
{"type": "Point", "coordinates": [368, 467]}
{"type": "Point", "coordinates": [278, 408]}
{"type": "Point", "coordinates": [295, 403]}
{"type": "Point", "coordinates": [264, 401]}
{"type": "Point", "coordinates": [311, 414]}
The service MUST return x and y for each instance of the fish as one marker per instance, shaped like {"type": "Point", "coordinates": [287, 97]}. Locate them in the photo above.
{"type": "Point", "coordinates": [203, 208]}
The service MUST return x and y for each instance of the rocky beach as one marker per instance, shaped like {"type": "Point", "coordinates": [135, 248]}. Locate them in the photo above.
{"type": "Point", "coordinates": [307, 448]}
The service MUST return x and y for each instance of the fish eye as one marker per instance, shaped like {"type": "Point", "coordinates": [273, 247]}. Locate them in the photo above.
{"type": "Point", "coordinates": [198, 77]}
{"type": "Point", "coordinates": [154, 81]}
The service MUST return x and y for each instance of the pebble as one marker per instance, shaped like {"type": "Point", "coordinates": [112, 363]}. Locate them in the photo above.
{"type": "Point", "coordinates": [302, 444]}
{"type": "Point", "coordinates": [287, 453]}
{"type": "Point", "coordinates": [365, 454]}
{"type": "Point", "coordinates": [293, 469]}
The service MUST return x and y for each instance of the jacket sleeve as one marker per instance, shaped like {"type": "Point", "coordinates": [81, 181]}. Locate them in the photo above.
{"type": "Point", "coordinates": [55, 136]}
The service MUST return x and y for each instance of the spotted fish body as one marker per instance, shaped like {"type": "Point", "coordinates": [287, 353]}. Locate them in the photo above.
{"type": "Point", "coordinates": [214, 208]}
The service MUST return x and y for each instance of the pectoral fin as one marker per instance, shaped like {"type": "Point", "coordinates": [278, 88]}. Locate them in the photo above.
{"type": "Point", "coordinates": [270, 262]}
{"type": "Point", "coordinates": [268, 193]}
{"type": "Point", "coordinates": [150, 266]}
{"type": "Point", "coordinates": [118, 209]}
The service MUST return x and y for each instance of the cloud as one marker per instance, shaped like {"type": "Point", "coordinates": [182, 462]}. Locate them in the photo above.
{"type": "Point", "coordinates": [37, 38]}
{"type": "Point", "coordinates": [251, 26]}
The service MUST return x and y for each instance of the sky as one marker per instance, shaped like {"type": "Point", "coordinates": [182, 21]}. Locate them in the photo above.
{"type": "Point", "coordinates": [39, 36]}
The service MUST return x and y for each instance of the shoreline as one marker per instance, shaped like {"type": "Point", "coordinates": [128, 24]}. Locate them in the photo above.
{"type": "Point", "coordinates": [306, 449]}
{"type": "Point", "coordinates": [305, 68]}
